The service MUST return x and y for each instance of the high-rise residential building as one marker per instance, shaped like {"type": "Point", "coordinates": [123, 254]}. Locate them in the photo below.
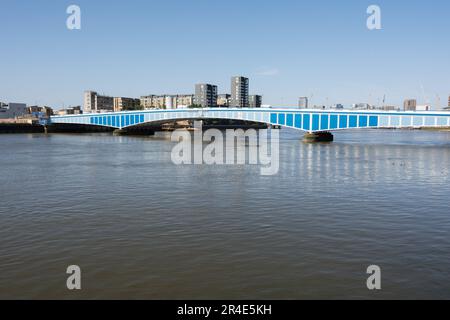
{"type": "Point", "coordinates": [223, 100]}
{"type": "Point", "coordinates": [94, 103]}
{"type": "Point", "coordinates": [206, 95]}
{"type": "Point", "coordinates": [303, 103]}
{"type": "Point", "coordinates": [122, 103]}
{"type": "Point", "coordinates": [410, 105]}
{"type": "Point", "coordinates": [255, 101]}
{"type": "Point", "coordinates": [239, 92]}
{"type": "Point", "coordinates": [449, 101]}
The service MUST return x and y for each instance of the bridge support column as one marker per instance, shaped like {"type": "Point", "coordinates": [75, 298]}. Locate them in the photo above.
{"type": "Point", "coordinates": [138, 131]}
{"type": "Point", "coordinates": [120, 132]}
{"type": "Point", "coordinates": [318, 137]}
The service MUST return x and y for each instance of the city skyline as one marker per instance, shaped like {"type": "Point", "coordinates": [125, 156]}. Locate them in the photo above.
{"type": "Point", "coordinates": [328, 55]}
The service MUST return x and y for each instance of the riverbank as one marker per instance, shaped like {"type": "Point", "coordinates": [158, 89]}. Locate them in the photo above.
{"type": "Point", "coordinates": [21, 128]}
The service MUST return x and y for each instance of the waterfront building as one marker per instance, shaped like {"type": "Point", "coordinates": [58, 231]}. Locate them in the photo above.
{"type": "Point", "coordinates": [182, 100]}
{"type": "Point", "coordinates": [38, 110]}
{"type": "Point", "coordinates": [224, 100]}
{"type": "Point", "coordinates": [153, 101]}
{"type": "Point", "coordinates": [167, 101]}
{"type": "Point", "coordinates": [303, 103]}
{"type": "Point", "coordinates": [239, 92]}
{"type": "Point", "coordinates": [410, 105]}
{"type": "Point", "coordinates": [122, 103]}
{"type": "Point", "coordinates": [95, 103]}
{"type": "Point", "coordinates": [206, 95]}
{"type": "Point", "coordinates": [12, 110]}
{"type": "Point", "coordinates": [255, 101]}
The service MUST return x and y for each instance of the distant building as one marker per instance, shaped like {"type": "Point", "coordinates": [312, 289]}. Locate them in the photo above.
{"type": "Point", "coordinates": [410, 105]}
{"type": "Point", "coordinates": [449, 101]}
{"type": "Point", "coordinates": [70, 110]}
{"type": "Point", "coordinates": [389, 108]}
{"type": "Point", "coordinates": [38, 110]}
{"type": "Point", "coordinates": [205, 95]}
{"type": "Point", "coordinates": [303, 103]}
{"type": "Point", "coordinates": [12, 110]}
{"type": "Point", "coordinates": [254, 101]}
{"type": "Point", "coordinates": [95, 103]}
{"type": "Point", "coordinates": [121, 103]}
{"type": "Point", "coordinates": [153, 101]}
{"type": "Point", "coordinates": [361, 106]}
{"type": "Point", "coordinates": [338, 106]}
{"type": "Point", "coordinates": [182, 100]}
{"type": "Point", "coordinates": [239, 92]}
{"type": "Point", "coordinates": [423, 108]}
{"type": "Point", "coordinates": [223, 100]}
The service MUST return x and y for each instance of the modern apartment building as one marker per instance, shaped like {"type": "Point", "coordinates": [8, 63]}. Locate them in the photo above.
{"type": "Point", "coordinates": [94, 103]}
{"type": "Point", "coordinates": [410, 105]}
{"type": "Point", "coordinates": [182, 100]}
{"type": "Point", "coordinates": [12, 110]}
{"type": "Point", "coordinates": [239, 92]}
{"type": "Point", "coordinates": [206, 95]}
{"type": "Point", "coordinates": [303, 103]}
{"type": "Point", "coordinates": [223, 100]}
{"type": "Point", "coordinates": [122, 103]}
{"type": "Point", "coordinates": [255, 101]}
{"type": "Point", "coordinates": [167, 101]}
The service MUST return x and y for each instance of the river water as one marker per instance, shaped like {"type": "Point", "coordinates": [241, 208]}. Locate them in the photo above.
{"type": "Point", "coordinates": [141, 227]}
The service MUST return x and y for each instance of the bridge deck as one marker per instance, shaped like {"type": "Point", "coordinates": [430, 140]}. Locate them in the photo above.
{"type": "Point", "coordinates": [307, 120]}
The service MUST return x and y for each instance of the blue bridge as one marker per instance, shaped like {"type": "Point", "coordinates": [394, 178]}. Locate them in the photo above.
{"type": "Point", "coordinates": [309, 120]}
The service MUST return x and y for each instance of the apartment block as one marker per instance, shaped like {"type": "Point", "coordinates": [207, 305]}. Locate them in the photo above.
{"type": "Point", "coordinates": [223, 100]}
{"type": "Point", "coordinates": [122, 103]}
{"type": "Point", "coordinates": [239, 92]}
{"type": "Point", "coordinates": [95, 103]}
{"type": "Point", "coordinates": [167, 101]}
{"type": "Point", "coordinates": [255, 101]}
{"type": "Point", "coordinates": [206, 95]}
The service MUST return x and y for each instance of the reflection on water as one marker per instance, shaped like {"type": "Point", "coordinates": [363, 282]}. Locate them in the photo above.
{"type": "Point", "coordinates": [141, 227]}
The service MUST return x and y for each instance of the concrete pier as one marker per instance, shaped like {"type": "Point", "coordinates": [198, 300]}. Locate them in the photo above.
{"type": "Point", "coordinates": [318, 137]}
{"type": "Point", "coordinates": [134, 131]}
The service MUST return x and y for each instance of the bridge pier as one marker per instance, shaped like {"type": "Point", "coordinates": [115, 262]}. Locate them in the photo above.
{"type": "Point", "coordinates": [312, 137]}
{"type": "Point", "coordinates": [137, 131]}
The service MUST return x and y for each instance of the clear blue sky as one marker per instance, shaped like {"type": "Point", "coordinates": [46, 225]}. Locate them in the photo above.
{"type": "Point", "coordinates": [288, 48]}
